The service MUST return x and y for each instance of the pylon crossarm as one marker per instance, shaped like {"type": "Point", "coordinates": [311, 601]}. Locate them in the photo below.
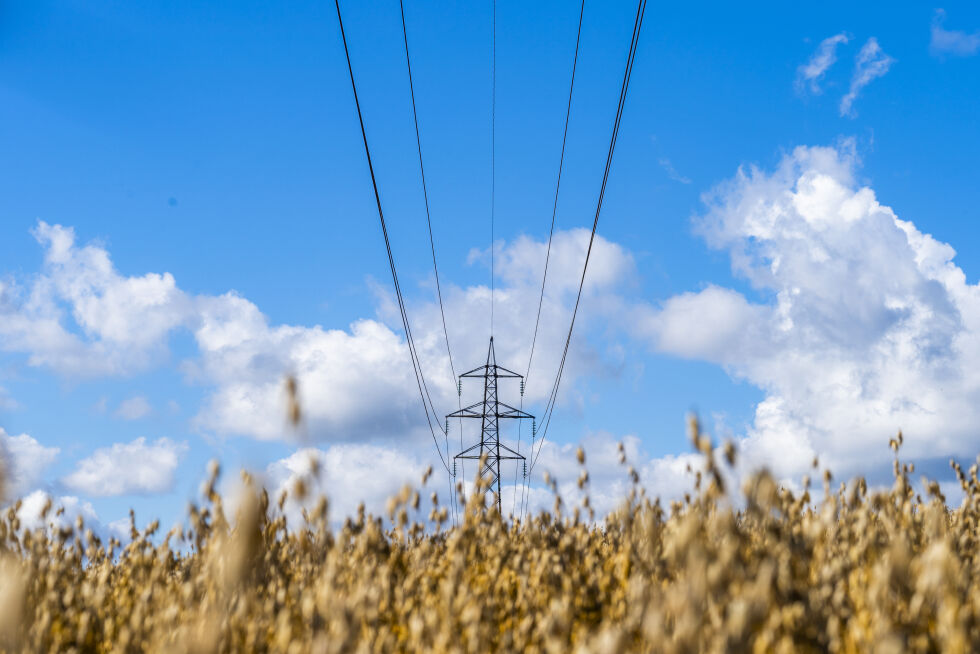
{"type": "Point", "coordinates": [476, 457]}
{"type": "Point", "coordinates": [479, 371]}
{"type": "Point", "coordinates": [507, 411]}
{"type": "Point", "coordinates": [486, 371]}
{"type": "Point", "coordinates": [504, 373]}
{"type": "Point", "coordinates": [465, 454]}
{"type": "Point", "coordinates": [472, 411]}
{"type": "Point", "coordinates": [517, 455]}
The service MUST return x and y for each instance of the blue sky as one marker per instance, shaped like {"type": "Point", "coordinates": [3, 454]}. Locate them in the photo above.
{"type": "Point", "coordinates": [219, 144]}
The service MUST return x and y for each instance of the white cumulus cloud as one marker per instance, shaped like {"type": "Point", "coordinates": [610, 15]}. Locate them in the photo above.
{"type": "Point", "coordinates": [137, 467]}
{"type": "Point", "coordinates": [23, 460]}
{"type": "Point", "coordinates": [871, 63]}
{"type": "Point", "coordinates": [864, 326]}
{"type": "Point", "coordinates": [81, 317]}
{"type": "Point", "coordinates": [358, 383]}
{"type": "Point", "coordinates": [349, 474]}
{"type": "Point", "coordinates": [609, 484]}
{"type": "Point", "coordinates": [62, 512]}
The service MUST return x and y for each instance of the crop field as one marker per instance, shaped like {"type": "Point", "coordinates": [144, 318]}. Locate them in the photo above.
{"type": "Point", "coordinates": [753, 569]}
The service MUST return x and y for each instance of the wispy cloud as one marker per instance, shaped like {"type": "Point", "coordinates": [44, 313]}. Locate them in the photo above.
{"type": "Point", "coordinates": [872, 63]}
{"type": "Point", "coordinates": [7, 403]}
{"type": "Point", "coordinates": [672, 173]}
{"type": "Point", "coordinates": [134, 408]}
{"type": "Point", "coordinates": [953, 42]}
{"type": "Point", "coordinates": [810, 73]}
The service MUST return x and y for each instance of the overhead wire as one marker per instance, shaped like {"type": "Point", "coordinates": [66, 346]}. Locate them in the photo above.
{"type": "Point", "coordinates": [493, 149]}
{"type": "Point", "coordinates": [416, 363]}
{"type": "Point", "coordinates": [549, 408]}
{"type": "Point", "coordinates": [432, 243]}
{"type": "Point", "coordinates": [602, 191]}
{"type": "Point", "coordinates": [493, 156]}
{"type": "Point", "coordinates": [428, 406]}
{"type": "Point", "coordinates": [551, 231]}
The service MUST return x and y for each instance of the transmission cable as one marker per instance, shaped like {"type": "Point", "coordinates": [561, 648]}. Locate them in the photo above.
{"type": "Point", "coordinates": [428, 219]}
{"type": "Point", "coordinates": [549, 410]}
{"type": "Point", "coordinates": [416, 363]}
{"type": "Point", "coordinates": [551, 232]}
{"type": "Point", "coordinates": [425, 193]}
{"type": "Point", "coordinates": [493, 149]}
{"type": "Point", "coordinates": [602, 191]}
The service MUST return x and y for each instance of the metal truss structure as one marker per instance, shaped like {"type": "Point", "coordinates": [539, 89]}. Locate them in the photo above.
{"type": "Point", "coordinates": [490, 411]}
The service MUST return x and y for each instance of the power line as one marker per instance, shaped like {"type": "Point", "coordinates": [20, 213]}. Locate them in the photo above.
{"type": "Point", "coordinates": [602, 191]}
{"type": "Point", "coordinates": [493, 148]}
{"type": "Point", "coordinates": [428, 219]}
{"type": "Point", "coordinates": [554, 209]}
{"type": "Point", "coordinates": [416, 364]}
{"type": "Point", "coordinates": [554, 212]}
{"type": "Point", "coordinates": [425, 193]}
{"type": "Point", "coordinates": [549, 409]}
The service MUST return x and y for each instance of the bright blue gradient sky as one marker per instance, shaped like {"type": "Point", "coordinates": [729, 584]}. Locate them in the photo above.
{"type": "Point", "coordinates": [218, 142]}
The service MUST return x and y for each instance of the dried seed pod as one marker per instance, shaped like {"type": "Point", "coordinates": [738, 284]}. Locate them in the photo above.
{"type": "Point", "coordinates": [765, 572]}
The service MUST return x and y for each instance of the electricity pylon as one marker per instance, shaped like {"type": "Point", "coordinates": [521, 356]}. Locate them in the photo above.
{"type": "Point", "coordinates": [490, 411]}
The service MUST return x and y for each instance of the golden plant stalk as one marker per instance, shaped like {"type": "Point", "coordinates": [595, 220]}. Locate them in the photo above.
{"type": "Point", "coordinates": [768, 571]}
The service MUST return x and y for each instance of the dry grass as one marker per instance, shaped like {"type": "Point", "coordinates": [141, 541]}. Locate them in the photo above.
{"type": "Point", "coordinates": [858, 572]}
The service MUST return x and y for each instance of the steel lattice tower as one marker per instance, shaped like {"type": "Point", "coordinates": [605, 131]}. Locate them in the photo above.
{"type": "Point", "coordinates": [490, 411]}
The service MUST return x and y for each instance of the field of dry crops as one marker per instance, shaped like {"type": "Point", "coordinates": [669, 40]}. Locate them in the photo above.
{"type": "Point", "coordinates": [769, 571]}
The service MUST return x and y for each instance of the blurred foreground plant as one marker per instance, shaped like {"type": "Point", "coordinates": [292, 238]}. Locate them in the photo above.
{"type": "Point", "coordinates": [857, 572]}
